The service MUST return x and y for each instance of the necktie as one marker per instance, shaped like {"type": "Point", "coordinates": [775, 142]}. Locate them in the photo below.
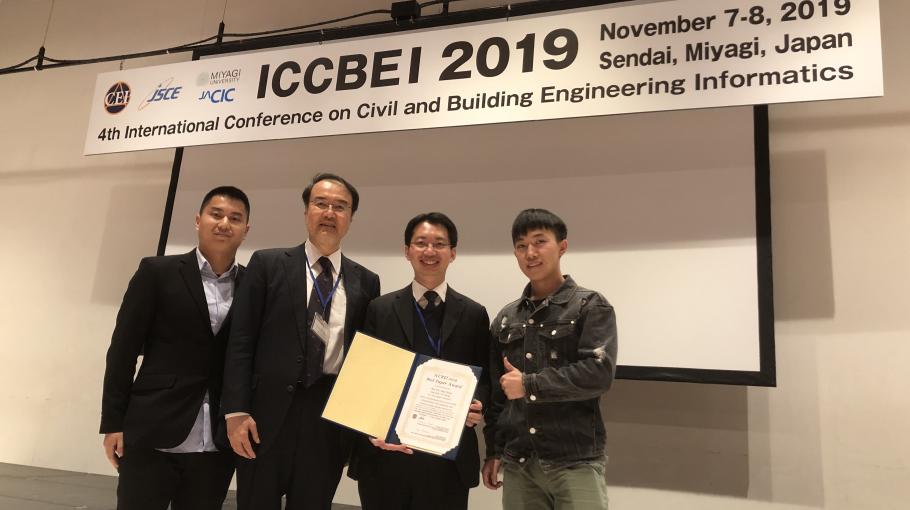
{"type": "Point", "coordinates": [315, 352]}
{"type": "Point", "coordinates": [431, 315]}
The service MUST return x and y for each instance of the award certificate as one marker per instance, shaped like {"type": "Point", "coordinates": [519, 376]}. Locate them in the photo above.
{"type": "Point", "coordinates": [403, 397]}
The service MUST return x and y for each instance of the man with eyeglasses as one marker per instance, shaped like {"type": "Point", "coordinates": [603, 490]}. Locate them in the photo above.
{"type": "Point", "coordinates": [430, 317]}
{"type": "Point", "coordinates": [295, 316]}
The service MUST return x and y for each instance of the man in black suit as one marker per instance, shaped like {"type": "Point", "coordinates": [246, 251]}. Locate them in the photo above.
{"type": "Point", "coordinates": [295, 315]}
{"type": "Point", "coordinates": [159, 429]}
{"type": "Point", "coordinates": [430, 317]}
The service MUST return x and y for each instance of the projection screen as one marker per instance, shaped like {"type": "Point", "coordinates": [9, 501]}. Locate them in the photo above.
{"type": "Point", "coordinates": [668, 217]}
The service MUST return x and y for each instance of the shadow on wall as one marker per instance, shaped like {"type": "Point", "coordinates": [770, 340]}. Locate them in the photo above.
{"type": "Point", "coordinates": [707, 439]}
{"type": "Point", "coordinates": [131, 232]}
{"type": "Point", "coordinates": [801, 236]}
{"type": "Point", "coordinates": [676, 436]}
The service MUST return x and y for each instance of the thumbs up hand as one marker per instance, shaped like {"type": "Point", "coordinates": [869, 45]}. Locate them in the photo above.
{"type": "Point", "coordinates": [511, 381]}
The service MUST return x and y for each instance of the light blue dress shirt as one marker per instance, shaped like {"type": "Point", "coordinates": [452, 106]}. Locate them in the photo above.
{"type": "Point", "coordinates": [219, 294]}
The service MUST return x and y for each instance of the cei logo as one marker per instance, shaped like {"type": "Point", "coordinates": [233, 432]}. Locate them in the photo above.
{"type": "Point", "coordinates": [117, 97]}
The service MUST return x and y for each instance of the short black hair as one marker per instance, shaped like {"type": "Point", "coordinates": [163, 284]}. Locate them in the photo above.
{"type": "Point", "coordinates": [433, 218]}
{"type": "Point", "coordinates": [324, 176]}
{"type": "Point", "coordinates": [230, 192]}
{"type": "Point", "coordinates": [532, 219]}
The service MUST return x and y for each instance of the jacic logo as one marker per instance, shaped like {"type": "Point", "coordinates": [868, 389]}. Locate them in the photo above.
{"type": "Point", "coordinates": [163, 92]}
{"type": "Point", "coordinates": [218, 95]}
{"type": "Point", "coordinates": [117, 97]}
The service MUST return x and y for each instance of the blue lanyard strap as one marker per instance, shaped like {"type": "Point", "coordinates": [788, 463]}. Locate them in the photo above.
{"type": "Point", "coordinates": [435, 343]}
{"type": "Point", "coordinates": [325, 301]}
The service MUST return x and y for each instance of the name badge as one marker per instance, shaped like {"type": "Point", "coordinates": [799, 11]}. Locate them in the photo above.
{"type": "Point", "coordinates": [320, 328]}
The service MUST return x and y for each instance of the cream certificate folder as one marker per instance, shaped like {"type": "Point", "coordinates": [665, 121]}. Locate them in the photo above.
{"type": "Point", "coordinates": [402, 397]}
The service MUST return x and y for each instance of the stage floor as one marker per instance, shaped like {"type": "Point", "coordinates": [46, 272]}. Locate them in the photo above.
{"type": "Point", "coordinates": [31, 488]}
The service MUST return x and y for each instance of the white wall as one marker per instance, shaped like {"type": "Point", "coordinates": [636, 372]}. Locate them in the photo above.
{"type": "Point", "coordinates": [832, 435]}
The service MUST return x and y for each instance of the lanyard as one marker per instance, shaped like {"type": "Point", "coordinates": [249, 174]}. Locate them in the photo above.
{"type": "Point", "coordinates": [325, 301]}
{"type": "Point", "coordinates": [436, 343]}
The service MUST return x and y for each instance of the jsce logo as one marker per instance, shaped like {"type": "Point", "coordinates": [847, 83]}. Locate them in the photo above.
{"type": "Point", "coordinates": [163, 92]}
{"type": "Point", "coordinates": [117, 97]}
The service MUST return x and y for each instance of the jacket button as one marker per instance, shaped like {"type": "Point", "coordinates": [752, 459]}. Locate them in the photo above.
{"type": "Point", "coordinates": [553, 333]}
{"type": "Point", "coordinates": [299, 359]}
{"type": "Point", "coordinates": [533, 398]}
{"type": "Point", "coordinates": [529, 356]}
{"type": "Point", "coordinates": [521, 460]}
{"type": "Point", "coordinates": [290, 388]}
{"type": "Point", "coordinates": [530, 321]}
{"type": "Point", "coordinates": [532, 430]}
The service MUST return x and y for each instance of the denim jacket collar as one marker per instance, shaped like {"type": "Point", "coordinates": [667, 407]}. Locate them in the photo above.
{"type": "Point", "coordinates": [560, 297]}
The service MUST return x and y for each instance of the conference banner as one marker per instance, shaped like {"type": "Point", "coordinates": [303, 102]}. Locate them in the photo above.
{"type": "Point", "coordinates": [611, 59]}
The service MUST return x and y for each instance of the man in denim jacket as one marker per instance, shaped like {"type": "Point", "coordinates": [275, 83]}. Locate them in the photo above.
{"type": "Point", "coordinates": [553, 356]}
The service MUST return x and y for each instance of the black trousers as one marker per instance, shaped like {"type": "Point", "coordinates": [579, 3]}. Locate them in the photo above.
{"type": "Point", "coordinates": [152, 480]}
{"type": "Point", "coordinates": [305, 462]}
{"type": "Point", "coordinates": [397, 481]}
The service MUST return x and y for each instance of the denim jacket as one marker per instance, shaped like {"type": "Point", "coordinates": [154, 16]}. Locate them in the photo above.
{"type": "Point", "coordinates": [566, 349]}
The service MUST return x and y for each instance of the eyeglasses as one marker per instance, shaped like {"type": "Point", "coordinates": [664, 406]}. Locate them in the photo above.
{"type": "Point", "coordinates": [322, 205]}
{"type": "Point", "coordinates": [423, 245]}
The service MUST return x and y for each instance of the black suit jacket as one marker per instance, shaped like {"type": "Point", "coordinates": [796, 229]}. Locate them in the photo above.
{"type": "Point", "coordinates": [269, 333]}
{"type": "Point", "coordinates": [465, 336]}
{"type": "Point", "coordinates": [165, 317]}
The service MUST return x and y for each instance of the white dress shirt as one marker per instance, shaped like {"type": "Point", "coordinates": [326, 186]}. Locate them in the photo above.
{"type": "Point", "coordinates": [419, 290]}
{"type": "Point", "coordinates": [334, 349]}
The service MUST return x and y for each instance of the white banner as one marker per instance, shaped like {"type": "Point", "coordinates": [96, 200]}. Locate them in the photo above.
{"type": "Point", "coordinates": [621, 58]}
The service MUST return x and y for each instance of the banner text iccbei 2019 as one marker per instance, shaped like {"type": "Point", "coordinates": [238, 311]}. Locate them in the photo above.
{"type": "Point", "coordinates": [619, 58]}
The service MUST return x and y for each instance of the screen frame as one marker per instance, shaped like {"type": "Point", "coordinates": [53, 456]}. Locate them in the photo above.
{"type": "Point", "coordinates": [765, 376]}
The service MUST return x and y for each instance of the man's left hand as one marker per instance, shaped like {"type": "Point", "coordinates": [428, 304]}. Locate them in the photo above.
{"type": "Point", "coordinates": [475, 413]}
{"type": "Point", "coordinates": [401, 448]}
{"type": "Point", "coordinates": [511, 381]}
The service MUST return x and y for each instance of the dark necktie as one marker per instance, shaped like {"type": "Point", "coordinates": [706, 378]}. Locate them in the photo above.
{"type": "Point", "coordinates": [431, 315]}
{"type": "Point", "coordinates": [315, 348]}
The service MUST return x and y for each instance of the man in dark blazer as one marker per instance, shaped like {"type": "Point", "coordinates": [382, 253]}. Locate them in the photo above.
{"type": "Point", "coordinates": [159, 430]}
{"type": "Point", "coordinates": [430, 317]}
{"type": "Point", "coordinates": [295, 316]}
